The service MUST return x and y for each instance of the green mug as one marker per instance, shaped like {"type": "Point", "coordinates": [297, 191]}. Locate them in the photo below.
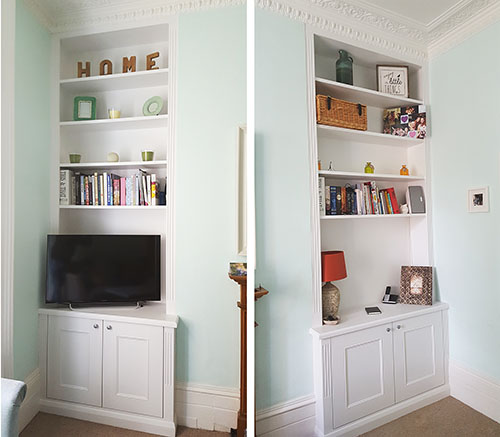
{"type": "Point", "coordinates": [75, 158]}
{"type": "Point", "coordinates": [147, 155]}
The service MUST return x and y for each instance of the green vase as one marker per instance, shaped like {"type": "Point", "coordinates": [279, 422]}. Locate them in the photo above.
{"type": "Point", "coordinates": [344, 68]}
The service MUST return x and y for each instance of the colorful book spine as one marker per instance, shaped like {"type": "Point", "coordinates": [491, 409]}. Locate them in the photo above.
{"type": "Point", "coordinates": [148, 187]}
{"type": "Point", "coordinates": [128, 191]}
{"type": "Point", "coordinates": [328, 202]}
{"type": "Point", "coordinates": [153, 190]}
{"type": "Point", "coordinates": [123, 192]}
{"type": "Point", "coordinates": [321, 193]}
{"type": "Point", "coordinates": [394, 200]}
{"type": "Point", "coordinates": [65, 195]}
{"type": "Point", "coordinates": [333, 200]}
{"type": "Point", "coordinates": [116, 190]}
{"type": "Point", "coordinates": [109, 190]}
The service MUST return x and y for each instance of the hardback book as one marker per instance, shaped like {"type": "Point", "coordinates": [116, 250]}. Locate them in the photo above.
{"type": "Point", "coordinates": [128, 191]}
{"type": "Point", "coordinates": [328, 203]}
{"type": "Point", "coordinates": [116, 190]}
{"type": "Point", "coordinates": [104, 184]}
{"type": "Point", "coordinates": [343, 197]}
{"type": "Point", "coordinates": [87, 190]}
{"type": "Point", "coordinates": [321, 193]}
{"type": "Point", "coordinates": [333, 201]}
{"type": "Point", "coordinates": [95, 185]}
{"type": "Point", "coordinates": [148, 187]}
{"type": "Point", "coordinates": [415, 199]}
{"type": "Point", "coordinates": [123, 191]}
{"type": "Point", "coordinates": [82, 190]}
{"type": "Point", "coordinates": [109, 190]}
{"type": "Point", "coordinates": [65, 194]}
{"type": "Point", "coordinates": [153, 190]}
{"type": "Point", "coordinates": [144, 190]}
{"type": "Point", "coordinates": [394, 200]}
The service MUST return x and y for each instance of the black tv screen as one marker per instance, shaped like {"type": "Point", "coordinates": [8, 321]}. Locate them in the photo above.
{"type": "Point", "coordinates": [102, 268]}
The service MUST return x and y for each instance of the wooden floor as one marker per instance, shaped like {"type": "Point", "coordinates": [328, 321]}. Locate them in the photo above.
{"type": "Point", "coordinates": [49, 425]}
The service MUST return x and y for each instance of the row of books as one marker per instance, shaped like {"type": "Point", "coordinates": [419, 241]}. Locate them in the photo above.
{"type": "Point", "coordinates": [108, 189]}
{"type": "Point", "coordinates": [361, 199]}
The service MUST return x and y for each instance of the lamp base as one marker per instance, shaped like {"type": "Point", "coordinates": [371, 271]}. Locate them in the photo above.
{"type": "Point", "coordinates": [331, 301]}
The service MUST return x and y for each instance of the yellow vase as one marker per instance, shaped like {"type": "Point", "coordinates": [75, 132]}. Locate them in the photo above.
{"type": "Point", "coordinates": [369, 168]}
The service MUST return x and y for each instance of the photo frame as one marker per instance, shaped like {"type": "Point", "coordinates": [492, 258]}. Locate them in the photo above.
{"type": "Point", "coordinates": [393, 79]}
{"type": "Point", "coordinates": [478, 200]}
{"type": "Point", "coordinates": [416, 285]}
{"type": "Point", "coordinates": [84, 108]}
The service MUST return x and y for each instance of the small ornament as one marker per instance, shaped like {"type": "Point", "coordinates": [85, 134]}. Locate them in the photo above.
{"type": "Point", "coordinates": [113, 157]}
{"type": "Point", "coordinates": [344, 68]}
{"type": "Point", "coordinates": [319, 164]}
{"type": "Point", "coordinates": [404, 171]}
{"type": "Point", "coordinates": [369, 168]}
{"type": "Point", "coordinates": [330, 166]}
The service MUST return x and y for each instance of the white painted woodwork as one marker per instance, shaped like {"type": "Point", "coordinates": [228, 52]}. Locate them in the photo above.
{"type": "Point", "coordinates": [363, 376]}
{"type": "Point", "coordinates": [418, 355]}
{"type": "Point", "coordinates": [133, 368]}
{"type": "Point", "coordinates": [357, 176]}
{"type": "Point", "coordinates": [114, 165]}
{"type": "Point", "coordinates": [74, 360]}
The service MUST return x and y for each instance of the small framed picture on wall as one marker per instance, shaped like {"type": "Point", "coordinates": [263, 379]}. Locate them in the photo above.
{"type": "Point", "coordinates": [393, 79]}
{"type": "Point", "coordinates": [477, 200]}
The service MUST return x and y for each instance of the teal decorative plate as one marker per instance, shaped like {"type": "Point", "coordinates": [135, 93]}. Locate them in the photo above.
{"type": "Point", "coordinates": [153, 106]}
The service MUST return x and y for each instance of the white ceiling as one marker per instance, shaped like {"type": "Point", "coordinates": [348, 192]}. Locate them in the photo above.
{"type": "Point", "coordinates": [426, 13]}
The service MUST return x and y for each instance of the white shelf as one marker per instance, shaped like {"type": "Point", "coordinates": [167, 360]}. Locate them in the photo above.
{"type": "Point", "coordinates": [120, 81]}
{"type": "Point", "coordinates": [347, 175]}
{"type": "Point", "coordinates": [369, 216]}
{"type": "Point", "coordinates": [106, 165]}
{"type": "Point", "coordinates": [142, 208]}
{"type": "Point", "coordinates": [357, 319]}
{"type": "Point", "coordinates": [360, 136]}
{"type": "Point", "coordinates": [364, 96]}
{"type": "Point", "coordinates": [154, 121]}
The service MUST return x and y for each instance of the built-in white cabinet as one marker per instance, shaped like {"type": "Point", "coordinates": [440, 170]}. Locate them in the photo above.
{"type": "Point", "coordinates": [418, 355]}
{"type": "Point", "coordinates": [110, 365]}
{"type": "Point", "coordinates": [377, 365]}
{"type": "Point", "coordinates": [133, 368]}
{"type": "Point", "coordinates": [363, 373]}
{"type": "Point", "coordinates": [74, 366]}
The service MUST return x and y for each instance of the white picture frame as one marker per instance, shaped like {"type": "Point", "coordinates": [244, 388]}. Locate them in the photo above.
{"type": "Point", "coordinates": [393, 80]}
{"type": "Point", "coordinates": [478, 200]}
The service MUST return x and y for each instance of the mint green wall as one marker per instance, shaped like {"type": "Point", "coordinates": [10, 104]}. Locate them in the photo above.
{"type": "Point", "coordinates": [32, 142]}
{"type": "Point", "coordinates": [283, 344]}
{"type": "Point", "coordinates": [211, 105]}
{"type": "Point", "coordinates": [465, 92]}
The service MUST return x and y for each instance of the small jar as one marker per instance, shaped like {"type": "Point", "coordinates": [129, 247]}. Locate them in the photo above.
{"type": "Point", "coordinates": [369, 168]}
{"type": "Point", "coordinates": [319, 164]}
{"type": "Point", "coordinates": [404, 171]}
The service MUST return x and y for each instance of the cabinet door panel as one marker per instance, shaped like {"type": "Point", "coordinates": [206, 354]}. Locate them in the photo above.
{"type": "Point", "coordinates": [74, 360]}
{"type": "Point", "coordinates": [418, 355]}
{"type": "Point", "coordinates": [363, 379]}
{"type": "Point", "coordinates": [133, 368]}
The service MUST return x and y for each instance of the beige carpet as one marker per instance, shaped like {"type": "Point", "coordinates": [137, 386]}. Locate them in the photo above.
{"type": "Point", "coordinates": [446, 418]}
{"type": "Point", "coordinates": [48, 425]}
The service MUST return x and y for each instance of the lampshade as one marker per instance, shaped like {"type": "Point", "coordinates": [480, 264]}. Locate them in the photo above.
{"type": "Point", "coordinates": [333, 265]}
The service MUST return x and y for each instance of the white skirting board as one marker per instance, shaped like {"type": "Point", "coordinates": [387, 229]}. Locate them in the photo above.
{"type": "Point", "coordinates": [31, 403]}
{"type": "Point", "coordinates": [297, 418]}
{"type": "Point", "coordinates": [290, 419]}
{"type": "Point", "coordinates": [197, 406]}
{"type": "Point", "coordinates": [475, 390]}
{"type": "Point", "coordinates": [206, 407]}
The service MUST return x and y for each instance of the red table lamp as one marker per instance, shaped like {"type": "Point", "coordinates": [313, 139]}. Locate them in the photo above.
{"type": "Point", "coordinates": [333, 269]}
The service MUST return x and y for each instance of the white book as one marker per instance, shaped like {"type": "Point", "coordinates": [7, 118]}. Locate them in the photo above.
{"type": "Point", "coordinates": [137, 188]}
{"type": "Point", "coordinates": [105, 188]}
{"type": "Point", "coordinates": [101, 193]}
{"type": "Point", "coordinates": [65, 194]}
{"type": "Point", "coordinates": [144, 190]}
{"type": "Point", "coordinates": [321, 187]}
{"type": "Point", "coordinates": [148, 186]}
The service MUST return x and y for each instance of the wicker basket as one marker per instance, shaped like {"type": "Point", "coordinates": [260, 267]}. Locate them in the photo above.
{"type": "Point", "coordinates": [336, 112]}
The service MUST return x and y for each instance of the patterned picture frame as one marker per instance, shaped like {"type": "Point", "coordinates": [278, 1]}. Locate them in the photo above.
{"type": "Point", "coordinates": [416, 285]}
{"type": "Point", "coordinates": [84, 108]}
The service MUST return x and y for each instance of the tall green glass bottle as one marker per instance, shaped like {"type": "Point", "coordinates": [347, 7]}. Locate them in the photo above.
{"type": "Point", "coordinates": [344, 68]}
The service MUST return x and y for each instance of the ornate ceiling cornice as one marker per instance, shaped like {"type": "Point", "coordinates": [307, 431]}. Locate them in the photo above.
{"type": "Point", "coordinates": [354, 20]}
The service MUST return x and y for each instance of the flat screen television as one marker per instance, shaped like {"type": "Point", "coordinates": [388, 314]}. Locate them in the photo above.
{"type": "Point", "coordinates": [102, 268]}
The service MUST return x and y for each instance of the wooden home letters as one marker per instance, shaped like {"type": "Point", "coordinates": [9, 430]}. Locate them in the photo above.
{"type": "Point", "coordinates": [128, 64]}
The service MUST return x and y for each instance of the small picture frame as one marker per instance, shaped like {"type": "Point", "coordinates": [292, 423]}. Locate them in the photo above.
{"type": "Point", "coordinates": [84, 108]}
{"type": "Point", "coordinates": [416, 285]}
{"type": "Point", "coordinates": [478, 200]}
{"type": "Point", "coordinates": [393, 79]}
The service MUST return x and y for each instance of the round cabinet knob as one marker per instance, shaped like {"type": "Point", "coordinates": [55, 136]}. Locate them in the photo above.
{"type": "Point", "coordinates": [388, 329]}
{"type": "Point", "coordinates": [109, 327]}
{"type": "Point", "coordinates": [399, 326]}
{"type": "Point", "coordinates": [96, 326]}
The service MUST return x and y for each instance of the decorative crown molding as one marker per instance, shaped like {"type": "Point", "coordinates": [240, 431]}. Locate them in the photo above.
{"type": "Point", "coordinates": [74, 15]}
